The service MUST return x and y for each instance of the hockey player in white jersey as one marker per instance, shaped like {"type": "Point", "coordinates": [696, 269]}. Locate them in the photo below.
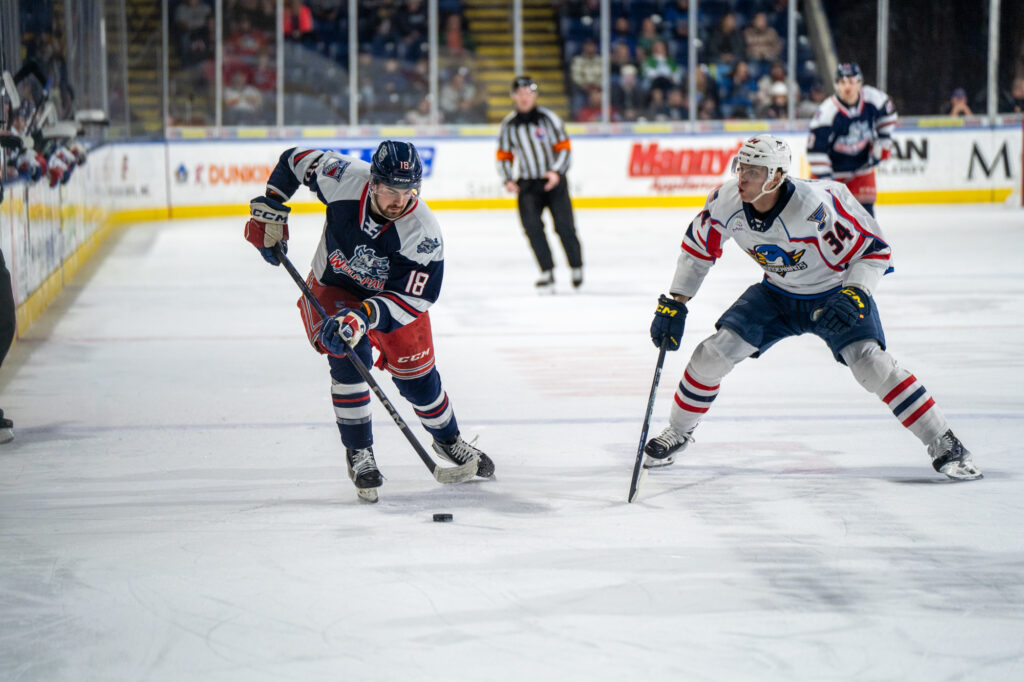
{"type": "Point", "coordinates": [823, 256]}
{"type": "Point", "coordinates": [376, 270]}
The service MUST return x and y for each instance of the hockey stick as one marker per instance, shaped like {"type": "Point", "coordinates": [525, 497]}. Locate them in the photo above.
{"type": "Point", "coordinates": [639, 473]}
{"type": "Point", "coordinates": [458, 474]}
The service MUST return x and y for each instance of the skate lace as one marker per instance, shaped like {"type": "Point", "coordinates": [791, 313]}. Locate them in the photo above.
{"type": "Point", "coordinates": [362, 461]}
{"type": "Point", "coordinates": [947, 445]}
{"type": "Point", "coordinates": [461, 451]}
{"type": "Point", "coordinates": [670, 437]}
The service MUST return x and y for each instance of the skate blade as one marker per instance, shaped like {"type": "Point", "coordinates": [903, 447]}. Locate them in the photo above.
{"type": "Point", "coordinates": [957, 471]}
{"type": "Point", "coordinates": [6, 435]}
{"type": "Point", "coordinates": [651, 463]}
{"type": "Point", "coordinates": [367, 494]}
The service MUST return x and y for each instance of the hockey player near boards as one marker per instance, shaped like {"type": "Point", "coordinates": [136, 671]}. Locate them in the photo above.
{"type": "Point", "coordinates": [7, 330]}
{"type": "Point", "coordinates": [851, 133]}
{"type": "Point", "coordinates": [823, 255]}
{"type": "Point", "coordinates": [537, 135]}
{"type": "Point", "coordinates": [376, 271]}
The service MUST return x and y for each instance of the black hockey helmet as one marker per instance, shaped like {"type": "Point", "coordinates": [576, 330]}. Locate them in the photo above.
{"type": "Point", "coordinates": [849, 70]}
{"type": "Point", "coordinates": [397, 164]}
{"type": "Point", "coordinates": [523, 82]}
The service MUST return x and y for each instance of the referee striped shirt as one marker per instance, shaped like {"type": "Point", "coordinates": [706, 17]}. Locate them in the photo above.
{"type": "Point", "coordinates": [538, 138]}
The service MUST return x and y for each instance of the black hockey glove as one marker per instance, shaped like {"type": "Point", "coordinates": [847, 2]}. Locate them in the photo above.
{"type": "Point", "coordinates": [669, 319]}
{"type": "Point", "coordinates": [842, 310]}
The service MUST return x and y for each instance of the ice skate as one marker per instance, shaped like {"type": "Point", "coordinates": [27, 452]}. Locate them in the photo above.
{"type": "Point", "coordinates": [6, 429]}
{"type": "Point", "coordinates": [577, 278]}
{"type": "Point", "coordinates": [546, 283]}
{"type": "Point", "coordinates": [459, 452]}
{"type": "Point", "coordinates": [660, 451]}
{"type": "Point", "coordinates": [363, 471]}
{"type": "Point", "coordinates": [950, 457]}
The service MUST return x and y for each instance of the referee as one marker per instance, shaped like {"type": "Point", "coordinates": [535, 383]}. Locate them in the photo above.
{"type": "Point", "coordinates": [538, 137]}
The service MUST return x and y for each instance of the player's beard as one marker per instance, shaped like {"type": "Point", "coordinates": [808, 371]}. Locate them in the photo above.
{"type": "Point", "coordinates": [391, 211]}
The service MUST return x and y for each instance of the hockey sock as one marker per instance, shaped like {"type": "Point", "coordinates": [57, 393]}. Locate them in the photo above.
{"type": "Point", "coordinates": [352, 412]}
{"type": "Point", "coordinates": [693, 398]}
{"type": "Point", "coordinates": [913, 405]}
{"type": "Point", "coordinates": [431, 404]}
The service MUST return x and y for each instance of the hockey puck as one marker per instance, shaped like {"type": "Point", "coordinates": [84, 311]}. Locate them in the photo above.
{"type": "Point", "coordinates": [442, 518]}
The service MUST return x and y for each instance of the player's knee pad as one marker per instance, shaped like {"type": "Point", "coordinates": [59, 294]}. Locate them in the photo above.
{"type": "Point", "coordinates": [716, 355]}
{"type": "Point", "coordinates": [872, 367]}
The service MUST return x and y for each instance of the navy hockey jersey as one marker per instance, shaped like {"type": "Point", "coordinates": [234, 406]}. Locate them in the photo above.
{"type": "Point", "coordinates": [842, 138]}
{"type": "Point", "coordinates": [816, 239]}
{"type": "Point", "coordinates": [395, 266]}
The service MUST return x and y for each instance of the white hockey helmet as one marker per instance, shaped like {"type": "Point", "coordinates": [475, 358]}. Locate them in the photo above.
{"type": "Point", "coordinates": [765, 150]}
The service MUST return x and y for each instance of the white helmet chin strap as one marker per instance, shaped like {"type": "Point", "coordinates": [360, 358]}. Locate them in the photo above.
{"type": "Point", "coordinates": [764, 187]}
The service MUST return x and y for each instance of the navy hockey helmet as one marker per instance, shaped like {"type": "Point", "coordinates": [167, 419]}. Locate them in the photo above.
{"type": "Point", "coordinates": [849, 70]}
{"type": "Point", "coordinates": [397, 164]}
{"type": "Point", "coordinates": [523, 82]}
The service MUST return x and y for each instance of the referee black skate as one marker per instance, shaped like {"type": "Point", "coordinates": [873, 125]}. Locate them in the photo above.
{"type": "Point", "coordinates": [7, 329]}
{"type": "Point", "coordinates": [537, 136]}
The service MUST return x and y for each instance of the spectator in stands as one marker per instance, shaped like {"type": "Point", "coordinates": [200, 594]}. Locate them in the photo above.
{"type": "Point", "coordinates": [242, 102]}
{"type": "Point", "coordinates": [297, 22]}
{"type": "Point", "coordinates": [264, 76]}
{"type": "Point", "coordinates": [778, 103]}
{"type": "Point", "coordinates": [648, 34]}
{"type": "Point", "coordinates": [660, 71]}
{"type": "Point", "coordinates": [326, 25]}
{"type": "Point", "coordinates": [621, 56]}
{"type": "Point", "coordinates": [762, 42]}
{"type": "Point", "coordinates": [655, 109]}
{"type": "Point", "coordinates": [809, 107]}
{"type": "Point", "coordinates": [585, 70]}
{"type": "Point", "coordinates": [777, 74]}
{"type": "Point", "coordinates": [420, 116]}
{"type": "Point", "coordinates": [1017, 95]}
{"type": "Point", "coordinates": [456, 42]}
{"type": "Point", "coordinates": [411, 25]}
{"type": "Point", "coordinates": [460, 101]}
{"type": "Point", "coordinates": [740, 92]}
{"type": "Point", "coordinates": [246, 42]}
{"type": "Point", "coordinates": [677, 14]}
{"type": "Point", "coordinates": [591, 111]}
{"type": "Point", "coordinates": [628, 95]}
{"type": "Point", "coordinates": [708, 109]}
{"type": "Point", "coordinates": [623, 32]}
{"type": "Point", "coordinates": [957, 104]}
{"type": "Point", "coordinates": [676, 105]}
{"type": "Point", "coordinates": [726, 45]}
{"type": "Point", "coordinates": [190, 21]}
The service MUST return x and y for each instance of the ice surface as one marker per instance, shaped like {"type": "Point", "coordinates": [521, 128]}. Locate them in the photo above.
{"type": "Point", "coordinates": [175, 505]}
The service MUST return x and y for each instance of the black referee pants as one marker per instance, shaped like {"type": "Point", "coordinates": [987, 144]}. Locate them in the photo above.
{"type": "Point", "coordinates": [532, 201]}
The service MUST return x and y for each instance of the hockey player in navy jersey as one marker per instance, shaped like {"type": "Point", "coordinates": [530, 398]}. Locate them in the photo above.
{"type": "Point", "coordinates": [851, 133]}
{"type": "Point", "coordinates": [823, 256]}
{"type": "Point", "coordinates": [377, 269]}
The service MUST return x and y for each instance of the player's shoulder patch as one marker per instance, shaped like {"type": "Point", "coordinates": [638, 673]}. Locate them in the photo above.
{"type": "Point", "coordinates": [335, 168]}
{"type": "Point", "coordinates": [825, 114]}
{"type": "Point", "coordinates": [420, 234]}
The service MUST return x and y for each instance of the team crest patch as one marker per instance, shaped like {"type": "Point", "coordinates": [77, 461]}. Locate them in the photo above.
{"type": "Point", "coordinates": [776, 260]}
{"type": "Point", "coordinates": [365, 266]}
{"type": "Point", "coordinates": [335, 169]}
{"type": "Point", "coordinates": [428, 245]}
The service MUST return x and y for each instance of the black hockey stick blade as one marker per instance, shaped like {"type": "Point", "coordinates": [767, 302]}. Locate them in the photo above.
{"type": "Point", "coordinates": [639, 473]}
{"type": "Point", "coordinates": [457, 474]}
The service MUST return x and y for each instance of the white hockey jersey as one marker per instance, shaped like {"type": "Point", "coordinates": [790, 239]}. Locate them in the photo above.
{"type": "Point", "coordinates": [815, 239]}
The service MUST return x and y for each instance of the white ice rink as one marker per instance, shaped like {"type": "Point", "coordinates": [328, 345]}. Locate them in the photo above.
{"type": "Point", "coordinates": [175, 506]}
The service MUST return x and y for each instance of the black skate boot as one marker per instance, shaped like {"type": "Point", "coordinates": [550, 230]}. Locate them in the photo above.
{"type": "Point", "coordinates": [6, 429]}
{"type": "Point", "coordinates": [661, 449]}
{"type": "Point", "coordinates": [363, 471]}
{"type": "Point", "coordinates": [459, 452]}
{"type": "Point", "coordinates": [546, 283]}
{"type": "Point", "coordinates": [950, 457]}
{"type": "Point", "coordinates": [577, 278]}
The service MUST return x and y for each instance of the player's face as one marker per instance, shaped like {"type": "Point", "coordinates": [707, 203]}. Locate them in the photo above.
{"type": "Point", "coordinates": [848, 89]}
{"type": "Point", "coordinates": [750, 180]}
{"type": "Point", "coordinates": [525, 99]}
{"type": "Point", "coordinates": [390, 202]}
